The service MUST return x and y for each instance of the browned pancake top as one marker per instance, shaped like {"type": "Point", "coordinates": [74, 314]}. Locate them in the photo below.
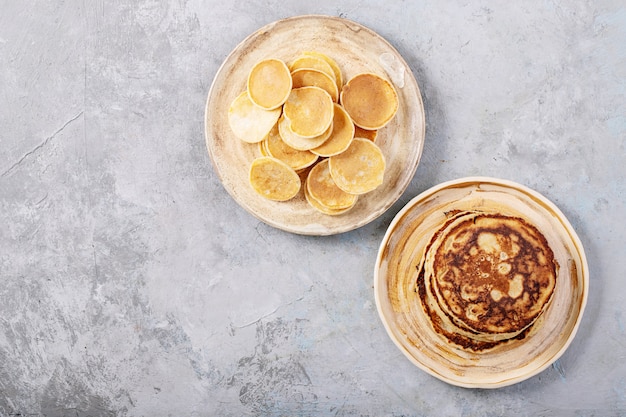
{"type": "Point", "coordinates": [494, 273]}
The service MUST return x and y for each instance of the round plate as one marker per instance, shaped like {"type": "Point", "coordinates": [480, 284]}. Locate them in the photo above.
{"type": "Point", "coordinates": [356, 49]}
{"type": "Point", "coordinates": [400, 308]}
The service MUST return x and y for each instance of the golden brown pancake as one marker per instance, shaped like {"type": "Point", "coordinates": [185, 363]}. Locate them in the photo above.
{"type": "Point", "coordinates": [322, 208]}
{"type": "Point", "coordinates": [486, 278]}
{"type": "Point", "coordinates": [370, 100]}
{"type": "Point", "coordinates": [312, 62]}
{"type": "Point", "coordinates": [333, 64]}
{"type": "Point", "coordinates": [298, 142]}
{"type": "Point", "coordinates": [310, 111]}
{"type": "Point", "coordinates": [360, 168]}
{"type": "Point", "coordinates": [274, 179]}
{"type": "Point", "coordinates": [309, 77]}
{"type": "Point", "coordinates": [269, 83]}
{"type": "Point", "coordinates": [276, 147]}
{"type": "Point", "coordinates": [494, 273]}
{"type": "Point", "coordinates": [341, 135]}
{"type": "Point", "coordinates": [321, 186]}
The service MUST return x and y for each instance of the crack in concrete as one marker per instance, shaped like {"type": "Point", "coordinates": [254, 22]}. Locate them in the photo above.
{"type": "Point", "coordinates": [257, 320]}
{"type": "Point", "coordinates": [242, 326]}
{"type": "Point", "coordinates": [41, 145]}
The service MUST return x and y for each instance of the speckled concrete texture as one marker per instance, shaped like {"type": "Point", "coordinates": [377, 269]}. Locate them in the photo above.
{"type": "Point", "coordinates": [131, 284]}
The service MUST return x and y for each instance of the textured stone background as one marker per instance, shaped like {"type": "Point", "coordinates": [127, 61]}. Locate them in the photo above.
{"type": "Point", "coordinates": [131, 284]}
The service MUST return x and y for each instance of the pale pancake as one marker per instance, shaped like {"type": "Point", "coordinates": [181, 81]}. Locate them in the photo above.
{"type": "Point", "coordinates": [248, 121]}
{"type": "Point", "coordinates": [321, 186]}
{"type": "Point", "coordinates": [321, 208]}
{"type": "Point", "coordinates": [333, 64]}
{"type": "Point", "coordinates": [274, 179]}
{"type": "Point", "coordinates": [297, 159]}
{"type": "Point", "coordinates": [360, 168]}
{"type": "Point", "coordinates": [310, 110]}
{"type": "Point", "coordinates": [309, 77]}
{"type": "Point", "coordinates": [341, 135]}
{"type": "Point", "coordinates": [269, 83]}
{"type": "Point", "coordinates": [297, 141]}
{"type": "Point", "coordinates": [370, 100]}
{"type": "Point", "coordinates": [313, 62]}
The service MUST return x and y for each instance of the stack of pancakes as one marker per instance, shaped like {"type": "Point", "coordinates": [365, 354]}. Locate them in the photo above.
{"type": "Point", "coordinates": [485, 279]}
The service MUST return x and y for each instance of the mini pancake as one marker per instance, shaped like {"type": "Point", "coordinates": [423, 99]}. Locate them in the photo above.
{"type": "Point", "coordinates": [307, 77]}
{"type": "Point", "coordinates": [310, 110]}
{"type": "Point", "coordinates": [269, 83]}
{"type": "Point", "coordinates": [248, 121]}
{"type": "Point", "coordinates": [298, 142]}
{"type": "Point", "coordinates": [367, 134]}
{"type": "Point", "coordinates": [313, 62]}
{"type": "Point", "coordinates": [333, 64]}
{"type": "Point", "coordinates": [274, 179]}
{"type": "Point", "coordinates": [321, 208]}
{"type": "Point", "coordinates": [341, 135]}
{"type": "Point", "coordinates": [321, 187]}
{"type": "Point", "coordinates": [370, 100]}
{"type": "Point", "coordinates": [276, 147]}
{"type": "Point", "coordinates": [360, 168]}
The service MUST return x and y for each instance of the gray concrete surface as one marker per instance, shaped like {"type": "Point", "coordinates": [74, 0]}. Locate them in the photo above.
{"type": "Point", "coordinates": [131, 284]}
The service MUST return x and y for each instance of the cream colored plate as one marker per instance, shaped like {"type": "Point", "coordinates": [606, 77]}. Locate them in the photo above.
{"type": "Point", "coordinates": [400, 309]}
{"type": "Point", "coordinates": [356, 49]}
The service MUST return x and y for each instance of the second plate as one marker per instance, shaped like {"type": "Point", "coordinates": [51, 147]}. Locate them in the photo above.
{"type": "Point", "coordinates": [409, 327]}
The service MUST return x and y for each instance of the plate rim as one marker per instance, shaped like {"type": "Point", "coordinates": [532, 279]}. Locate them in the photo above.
{"type": "Point", "coordinates": [417, 135]}
{"type": "Point", "coordinates": [584, 273]}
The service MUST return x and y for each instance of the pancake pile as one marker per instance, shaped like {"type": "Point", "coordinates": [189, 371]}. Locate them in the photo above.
{"type": "Point", "coordinates": [485, 278]}
{"type": "Point", "coordinates": [311, 126]}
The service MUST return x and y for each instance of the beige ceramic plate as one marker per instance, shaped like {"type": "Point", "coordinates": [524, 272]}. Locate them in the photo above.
{"type": "Point", "coordinates": [356, 49]}
{"type": "Point", "coordinates": [400, 308]}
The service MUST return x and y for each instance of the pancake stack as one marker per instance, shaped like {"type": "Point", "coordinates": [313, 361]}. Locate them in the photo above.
{"type": "Point", "coordinates": [485, 279]}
